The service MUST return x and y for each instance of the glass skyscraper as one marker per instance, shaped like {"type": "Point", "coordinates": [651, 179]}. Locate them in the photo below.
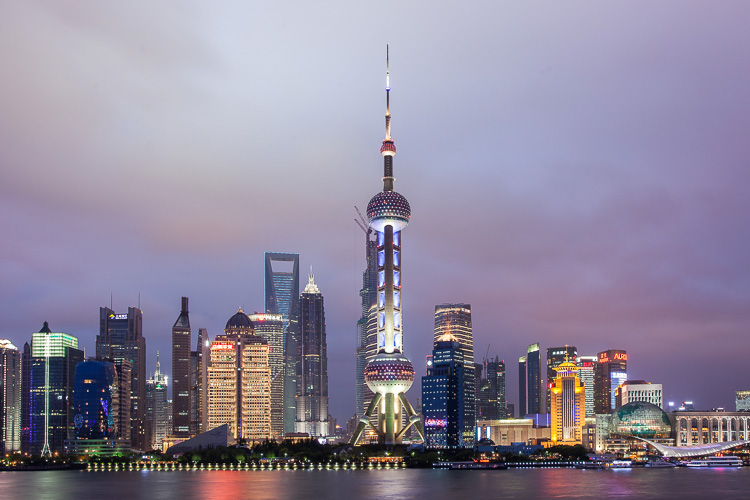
{"type": "Point", "coordinates": [443, 396]}
{"type": "Point", "coordinates": [367, 328]}
{"type": "Point", "coordinates": [611, 370]}
{"type": "Point", "coordinates": [455, 319]}
{"type": "Point", "coordinates": [530, 381]}
{"type": "Point", "coordinates": [53, 359]}
{"type": "Point", "coordinates": [95, 400]}
{"type": "Point", "coordinates": [555, 357]}
{"type": "Point", "coordinates": [312, 397]}
{"type": "Point", "coordinates": [282, 297]}
{"type": "Point", "coordinates": [121, 339]}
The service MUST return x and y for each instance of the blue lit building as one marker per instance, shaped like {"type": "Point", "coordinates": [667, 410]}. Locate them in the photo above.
{"type": "Point", "coordinates": [282, 297]}
{"type": "Point", "coordinates": [95, 400]}
{"type": "Point", "coordinates": [97, 412]}
{"type": "Point", "coordinates": [443, 396]}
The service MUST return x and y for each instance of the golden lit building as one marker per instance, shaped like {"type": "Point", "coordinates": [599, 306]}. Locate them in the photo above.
{"type": "Point", "coordinates": [239, 381]}
{"type": "Point", "coordinates": [568, 406]}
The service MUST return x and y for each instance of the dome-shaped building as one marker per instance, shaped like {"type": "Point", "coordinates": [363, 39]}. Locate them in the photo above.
{"type": "Point", "coordinates": [239, 323]}
{"type": "Point", "coordinates": [640, 419]}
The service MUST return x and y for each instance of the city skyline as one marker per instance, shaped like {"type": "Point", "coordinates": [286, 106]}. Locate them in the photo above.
{"type": "Point", "coordinates": [573, 182]}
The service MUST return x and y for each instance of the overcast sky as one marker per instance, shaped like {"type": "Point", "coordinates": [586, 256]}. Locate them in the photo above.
{"type": "Point", "coordinates": [577, 171]}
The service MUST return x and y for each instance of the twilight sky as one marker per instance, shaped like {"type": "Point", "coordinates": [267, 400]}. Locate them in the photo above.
{"type": "Point", "coordinates": [578, 172]}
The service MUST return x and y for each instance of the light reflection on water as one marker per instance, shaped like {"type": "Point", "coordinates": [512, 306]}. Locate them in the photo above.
{"type": "Point", "coordinates": [388, 484]}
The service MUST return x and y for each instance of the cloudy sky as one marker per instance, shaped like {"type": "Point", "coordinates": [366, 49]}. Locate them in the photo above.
{"type": "Point", "coordinates": [577, 171]}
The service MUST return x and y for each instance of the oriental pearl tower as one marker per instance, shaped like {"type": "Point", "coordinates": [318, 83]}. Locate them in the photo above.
{"type": "Point", "coordinates": [389, 374]}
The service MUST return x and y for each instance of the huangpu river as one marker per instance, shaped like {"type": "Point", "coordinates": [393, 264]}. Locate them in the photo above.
{"type": "Point", "coordinates": [391, 484]}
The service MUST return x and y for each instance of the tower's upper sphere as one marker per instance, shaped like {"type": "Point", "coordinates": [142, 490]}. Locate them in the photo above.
{"type": "Point", "coordinates": [389, 373]}
{"type": "Point", "coordinates": [388, 208]}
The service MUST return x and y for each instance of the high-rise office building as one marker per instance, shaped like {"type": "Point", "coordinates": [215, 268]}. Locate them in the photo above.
{"type": "Point", "coordinates": [54, 356]}
{"type": "Point", "coordinates": [312, 399]}
{"type": "Point", "coordinates": [586, 365]}
{"type": "Point", "coordinates": [530, 381]}
{"type": "Point", "coordinates": [492, 389]}
{"type": "Point", "coordinates": [271, 328]}
{"type": "Point", "coordinates": [611, 370]}
{"type": "Point", "coordinates": [455, 319]}
{"type": "Point", "coordinates": [390, 373]}
{"type": "Point", "coordinates": [199, 383]}
{"type": "Point", "coordinates": [638, 390]}
{"type": "Point", "coordinates": [156, 406]}
{"type": "Point", "coordinates": [282, 297]}
{"type": "Point", "coordinates": [567, 405]}
{"type": "Point", "coordinates": [96, 406]}
{"type": "Point", "coordinates": [121, 338]}
{"type": "Point", "coordinates": [555, 357]}
{"type": "Point", "coordinates": [10, 397]}
{"type": "Point", "coordinates": [443, 396]}
{"type": "Point", "coordinates": [181, 374]}
{"type": "Point", "coordinates": [239, 381]}
{"type": "Point", "coordinates": [366, 343]}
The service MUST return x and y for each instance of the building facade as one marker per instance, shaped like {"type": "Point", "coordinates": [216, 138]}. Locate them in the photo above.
{"type": "Point", "coordinates": [586, 368]}
{"type": "Point", "coordinates": [491, 404]}
{"type": "Point", "coordinates": [443, 396]}
{"type": "Point", "coordinates": [455, 319]}
{"type": "Point", "coordinates": [366, 341]}
{"type": "Point", "coordinates": [708, 427]}
{"type": "Point", "coordinates": [157, 406]}
{"type": "Point", "coordinates": [742, 401]}
{"type": "Point", "coordinates": [555, 357]}
{"type": "Point", "coordinates": [530, 381]}
{"type": "Point", "coordinates": [611, 370]}
{"type": "Point", "coordinates": [638, 390]}
{"type": "Point", "coordinates": [282, 297]}
{"type": "Point", "coordinates": [121, 338]}
{"type": "Point", "coordinates": [567, 405]}
{"type": "Point", "coordinates": [271, 328]}
{"type": "Point", "coordinates": [10, 397]}
{"type": "Point", "coordinates": [312, 397]}
{"type": "Point", "coordinates": [239, 382]}
{"type": "Point", "coordinates": [181, 406]}
{"type": "Point", "coordinates": [53, 359]}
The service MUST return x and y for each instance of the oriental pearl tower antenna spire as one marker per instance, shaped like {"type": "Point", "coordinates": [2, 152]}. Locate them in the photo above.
{"type": "Point", "coordinates": [389, 374]}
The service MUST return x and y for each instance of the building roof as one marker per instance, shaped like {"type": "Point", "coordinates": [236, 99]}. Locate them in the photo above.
{"type": "Point", "coordinates": [239, 320]}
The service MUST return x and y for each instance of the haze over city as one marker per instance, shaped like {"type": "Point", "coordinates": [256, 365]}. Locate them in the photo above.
{"type": "Point", "coordinates": [578, 176]}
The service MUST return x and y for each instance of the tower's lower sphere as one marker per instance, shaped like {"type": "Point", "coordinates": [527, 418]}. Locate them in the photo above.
{"type": "Point", "coordinates": [389, 373]}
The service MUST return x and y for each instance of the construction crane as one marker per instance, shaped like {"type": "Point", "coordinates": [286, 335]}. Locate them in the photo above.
{"type": "Point", "coordinates": [362, 223]}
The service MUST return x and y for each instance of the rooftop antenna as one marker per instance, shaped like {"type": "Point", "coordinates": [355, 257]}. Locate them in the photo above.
{"type": "Point", "coordinates": [110, 301]}
{"type": "Point", "coordinates": [139, 300]}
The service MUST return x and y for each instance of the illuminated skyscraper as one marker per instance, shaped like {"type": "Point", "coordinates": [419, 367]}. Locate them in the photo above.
{"type": "Point", "coordinates": [555, 357]}
{"type": "Point", "coordinates": [239, 381]}
{"type": "Point", "coordinates": [54, 357]}
{"type": "Point", "coordinates": [271, 328]}
{"type": "Point", "coordinates": [10, 397]}
{"type": "Point", "coordinates": [568, 405]}
{"type": "Point", "coordinates": [492, 405]}
{"type": "Point", "coordinates": [455, 319]}
{"type": "Point", "coordinates": [282, 297]}
{"type": "Point", "coordinates": [121, 338]}
{"type": "Point", "coordinates": [366, 344]}
{"type": "Point", "coordinates": [611, 370]}
{"type": "Point", "coordinates": [389, 374]}
{"type": "Point", "coordinates": [312, 400]}
{"type": "Point", "coordinates": [96, 407]}
{"type": "Point", "coordinates": [199, 382]}
{"type": "Point", "coordinates": [530, 381]}
{"type": "Point", "coordinates": [443, 396]}
{"type": "Point", "coordinates": [586, 366]}
{"type": "Point", "coordinates": [157, 406]}
{"type": "Point", "coordinates": [181, 406]}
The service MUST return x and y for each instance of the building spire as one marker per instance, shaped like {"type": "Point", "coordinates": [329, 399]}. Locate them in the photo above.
{"type": "Point", "coordinates": [388, 149]}
{"type": "Point", "coordinates": [311, 286]}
